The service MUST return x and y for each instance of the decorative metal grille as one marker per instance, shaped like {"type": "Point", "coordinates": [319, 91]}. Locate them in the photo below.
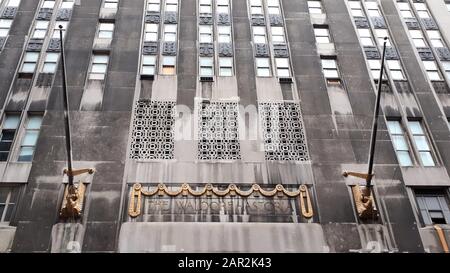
{"type": "Point", "coordinates": [153, 135]}
{"type": "Point", "coordinates": [218, 131]}
{"type": "Point", "coordinates": [283, 134]}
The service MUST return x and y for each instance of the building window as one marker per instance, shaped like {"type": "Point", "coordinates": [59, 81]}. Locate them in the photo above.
{"type": "Point", "coordinates": [8, 200]}
{"type": "Point", "coordinates": [168, 65]}
{"type": "Point", "coordinates": [48, 4]}
{"type": "Point", "coordinates": [225, 66]}
{"type": "Point", "coordinates": [405, 10]}
{"type": "Point", "coordinates": [172, 5]}
{"type": "Point", "coordinates": [29, 62]}
{"type": "Point", "coordinates": [273, 7]}
{"type": "Point", "coordinates": [448, 7]}
{"type": "Point", "coordinates": [99, 67]}
{"type": "Point", "coordinates": [315, 7]}
{"type": "Point", "coordinates": [421, 142]}
{"type": "Point", "coordinates": [375, 68]}
{"type": "Point", "coordinates": [50, 63]}
{"type": "Point", "coordinates": [446, 66]}
{"type": "Point", "coordinates": [56, 29]}
{"type": "Point", "coordinates": [396, 69]}
{"type": "Point", "coordinates": [111, 4]}
{"type": "Point", "coordinates": [433, 206]}
{"type": "Point", "coordinates": [205, 6]}
{"type": "Point", "coordinates": [399, 142]}
{"type": "Point", "coordinates": [259, 35]}
{"type": "Point", "coordinates": [206, 66]}
{"type": "Point", "coordinates": [30, 138]}
{"type": "Point", "coordinates": [9, 128]}
{"type": "Point", "coordinates": [329, 67]}
{"type": "Point", "coordinates": [105, 30]}
{"type": "Point", "coordinates": [322, 35]}
{"type": "Point", "coordinates": [282, 65]}
{"type": "Point", "coordinates": [151, 33]}
{"type": "Point", "coordinates": [432, 70]}
{"type": "Point", "coordinates": [278, 35]}
{"type": "Point", "coordinates": [224, 33]}
{"type": "Point", "coordinates": [365, 36]}
{"type": "Point", "coordinates": [435, 38]}
{"type": "Point", "coordinates": [372, 9]}
{"type": "Point", "coordinates": [262, 67]}
{"type": "Point", "coordinates": [67, 4]}
{"type": "Point", "coordinates": [381, 34]}
{"type": "Point", "coordinates": [154, 5]}
{"type": "Point", "coordinates": [205, 33]}
{"type": "Point", "coordinates": [422, 10]}
{"type": "Point", "coordinates": [148, 65]}
{"type": "Point", "coordinates": [5, 25]}
{"type": "Point", "coordinates": [13, 3]}
{"type": "Point", "coordinates": [417, 37]}
{"type": "Point", "coordinates": [223, 6]}
{"type": "Point", "coordinates": [356, 9]}
{"type": "Point", "coordinates": [170, 33]}
{"type": "Point", "coordinates": [40, 29]}
{"type": "Point", "coordinates": [256, 7]}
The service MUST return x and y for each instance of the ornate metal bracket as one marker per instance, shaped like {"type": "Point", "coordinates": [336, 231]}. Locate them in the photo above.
{"type": "Point", "coordinates": [73, 201]}
{"type": "Point", "coordinates": [365, 205]}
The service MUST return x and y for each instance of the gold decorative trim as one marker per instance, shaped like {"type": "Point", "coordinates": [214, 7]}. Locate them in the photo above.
{"type": "Point", "coordinates": [441, 236]}
{"type": "Point", "coordinates": [365, 205]}
{"type": "Point", "coordinates": [134, 209]}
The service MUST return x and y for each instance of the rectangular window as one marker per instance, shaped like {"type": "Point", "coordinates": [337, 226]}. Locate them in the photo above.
{"type": "Point", "coordinates": [433, 206]}
{"type": "Point", "coordinates": [256, 7]}
{"type": "Point", "coordinates": [375, 68]}
{"type": "Point", "coordinates": [420, 139]}
{"type": "Point", "coordinates": [205, 6]}
{"type": "Point", "coordinates": [50, 63]}
{"type": "Point", "coordinates": [29, 62]}
{"type": "Point", "coordinates": [151, 32]}
{"type": "Point", "coordinates": [446, 66]}
{"type": "Point", "coordinates": [99, 67]}
{"type": "Point", "coordinates": [365, 36]}
{"type": "Point", "coordinates": [418, 39]}
{"type": "Point", "coordinates": [68, 4]}
{"type": "Point", "coordinates": [432, 70]}
{"type": "Point", "coordinates": [105, 30]}
{"type": "Point", "coordinates": [148, 65]}
{"type": "Point", "coordinates": [110, 4]}
{"type": "Point", "coordinates": [322, 35]}
{"type": "Point", "coordinates": [225, 66]}
{"type": "Point", "coordinates": [282, 65]}
{"type": "Point", "coordinates": [48, 4]}
{"type": "Point", "coordinates": [399, 142]}
{"type": "Point", "coordinates": [8, 199]}
{"type": "Point", "coordinates": [224, 33]}
{"type": "Point", "coordinates": [13, 3]}
{"type": "Point", "coordinates": [381, 33]}
{"type": "Point", "coordinates": [206, 66]}
{"type": "Point", "coordinates": [5, 25]}
{"type": "Point", "coordinates": [278, 35]}
{"type": "Point", "coordinates": [448, 7]}
{"type": "Point", "coordinates": [172, 5]}
{"type": "Point", "coordinates": [170, 33]}
{"type": "Point", "coordinates": [154, 5]}
{"type": "Point", "coordinates": [273, 7]}
{"type": "Point", "coordinates": [315, 7]}
{"type": "Point", "coordinates": [40, 29]}
{"type": "Point", "coordinates": [422, 10]}
{"type": "Point", "coordinates": [9, 128]}
{"type": "Point", "coordinates": [259, 35]}
{"type": "Point", "coordinates": [56, 29]}
{"type": "Point", "coordinates": [405, 10]}
{"type": "Point", "coordinates": [329, 67]}
{"type": "Point", "coordinates": [262, 67]}
{"type": "Point", "coordinates": [396, 69]}
{"type": "Point", "coordinates": [223, 6]}
{"type": "Point", "coordinates": [168, 65]}
{"type": "Point", "coordinates": [205, 34]}
{"type": "Point", "coordinates": [30, 138]}
{"type": "Point", "coordinates": [356, 9]}
{"type": "Point", "coordinates": [372, 9]}
{"type": "Point", "coordinates": [435, 38]}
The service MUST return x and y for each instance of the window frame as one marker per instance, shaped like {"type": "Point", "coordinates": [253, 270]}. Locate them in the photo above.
{"type": "Point", "coordinates": [395, 136]}
{"type": "Point", "coordinates": [442, 196]}
{"type": "Point", "coordinates": [26, 130]}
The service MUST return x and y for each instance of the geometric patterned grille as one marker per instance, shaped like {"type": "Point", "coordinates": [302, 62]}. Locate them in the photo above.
{"type": "Point", "coordinates": [283, 133]}
{"type": "Point", "coordinates": [218, 135]}
{"type": "Point", "coordinates": [153, 135]}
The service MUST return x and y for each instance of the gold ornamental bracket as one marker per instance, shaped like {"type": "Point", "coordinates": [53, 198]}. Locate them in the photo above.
{"type": "Point", "coordinates": [72, 205]}
{"type": "Point", "coordinates": [305, 203]}
{"type": "Point", "coordinates": [363, 197]}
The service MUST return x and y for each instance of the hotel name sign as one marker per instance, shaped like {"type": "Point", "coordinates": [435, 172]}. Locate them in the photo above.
{"type": "Point", "coordinates": [230, 203]}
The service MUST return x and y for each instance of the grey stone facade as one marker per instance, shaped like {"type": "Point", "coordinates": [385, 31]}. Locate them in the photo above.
{"type": "Point", "coordinates": [323, 129]}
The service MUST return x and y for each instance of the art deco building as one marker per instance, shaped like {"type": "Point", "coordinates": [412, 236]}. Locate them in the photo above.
{"type": "Point", "coordinates": [224, 125]}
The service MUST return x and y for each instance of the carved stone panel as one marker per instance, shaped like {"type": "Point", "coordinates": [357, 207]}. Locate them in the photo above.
{"type": "Point", "coordinates": [425, 53]}
{"type": "Point", "coordinates": [152, 17]}
{"type": "Point", "coordinates": [44, 14]}
{"type": "Point", "coordinates": [261, 50]}
{"type": "Point", "coordinates": [372, 52]}
{"type": "Point", "coordinates": [225, 50]}
{"type": "Point", "coordinates": [170, 17]}
{"type": "Point", "coordinates": [391, 53]}
{"type": "Point", "coordinates": [280, 51]}
{"type": "Point", "coordinates": [205, 19]}
{"type": "Point", "coordinates": [150, 48]}
{"type": "Point", "coordinates": [64, 14]}
{"type": "Point", "coordinates": [443, 53]}
{"type": "Point", "coordinates": [429, 23]}
{"type": "Point", "coordinates": [223, 19]}
{"type": "Point", "coordinates": [441, 87]}
{"type": "Point", "coordinates": [402, 86]}
{"type": "Point", "coordinates": [258, 20]}
{"type": "Point", "coordinates": [378, 22]}
{"type": "Point", "coordinates": [35, 45]}
{"type": "Point", "coordinates": [361, 22]}
{"type": "Point", "coordinates": [206, 49]}
{"type": "Point", "coordinates": [2, 41]}
{"type": "Point", "coordinates": [412, 23]}
{"type": "Point", "coordinates": [170, 48]}
{"type": "Point", "coordinates": [54, 45]}
{"type": "Point", "coordinates": [275, 20]}
{"type": "Point", "coordinates": [9, 13]}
